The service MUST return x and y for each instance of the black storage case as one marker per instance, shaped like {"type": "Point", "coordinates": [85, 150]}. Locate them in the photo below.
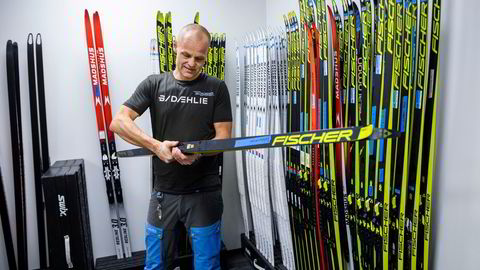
{"type": "Point", "coordinates": [68, 223]}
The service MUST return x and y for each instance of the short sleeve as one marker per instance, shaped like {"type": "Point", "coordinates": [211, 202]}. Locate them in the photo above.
{"type": "Point", "coordinates": [223, 110]}
{"type": "Point", "coordinates": [142, 97]}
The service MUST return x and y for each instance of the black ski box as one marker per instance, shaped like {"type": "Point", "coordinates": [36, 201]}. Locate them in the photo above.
{"type": "Point", "coordinates": [68, 226]}
{"type": "Point", "coordinates": [82, 188]}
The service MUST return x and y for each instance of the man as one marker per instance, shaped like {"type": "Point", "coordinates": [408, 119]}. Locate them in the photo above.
{"type": "Point", "coordinates": [184, 105]}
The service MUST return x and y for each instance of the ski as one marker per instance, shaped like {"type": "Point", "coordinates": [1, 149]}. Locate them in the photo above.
{"type": "Point", "coordinates": [7, 232]}
{"type": "Point", "coordinates": [292, 194]}
{"type": "Point", "coordinates": [402, 163]}
{"type": "Point", "coordinates": [197, 18]}
{"type": "Point", "coordinates": [163, 60]}
{"type": "Point", "coordinates": [107, 113]}
{"type": "Point", "coordinates": [393, 123]}
{"type": "Point", "coordinates": [41, 104]}
{"type": "Point", "coordinates": [239, 132]}
{"type": "Point", "coordinates": [251, 157]}
{"type": "Point", "coordinates": [215, 42]}
{"type": "Point", "coordinates": [169, 42]}
{"type": "Point", "coordinates": [314, 72]}
{"type": "Point", "coordinates": [429, 137]}
{"type": "Point", "coordinates": [352, 116]}
{"type": "Point", "coordinates": [327, 136]}
{"type": "Point", "coordinates": [263, 125]}
{"type": "Point", "coordinates": [37, 159]}
{"type": "Point", "coordinates": [373, 205]}
{"type": "Point", "coordinates": [366, 99]}
{"type": "Point", "coordinates": [305, 165]}
{"type": "Point", "coordinates": [384, 152]}
{"type": "Point", "coordinates": [13, 82]}
{"type": "Point", "coordinates": [417, 126]}
{"type": "Point", "coordinates": [277, 168]}
{"type": "Point", "coordinates": [97, 98]}
{"type": "Point", "coordinates": [221, 52]}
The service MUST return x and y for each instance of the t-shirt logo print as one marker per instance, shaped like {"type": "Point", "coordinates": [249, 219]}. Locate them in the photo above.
{"type": "Point", "coordinates": [204, 94]}
{"type": "Point", "coordinates": [202, 99]}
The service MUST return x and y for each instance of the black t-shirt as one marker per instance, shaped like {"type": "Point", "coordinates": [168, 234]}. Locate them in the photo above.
{"type": "Point", "coordinates": [183, 111]}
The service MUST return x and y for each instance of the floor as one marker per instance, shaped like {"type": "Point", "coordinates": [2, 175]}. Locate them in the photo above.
{"type": "Point", "coordinates": [236, 260]}
{"type": "Point", "coordinates": [230, 260]}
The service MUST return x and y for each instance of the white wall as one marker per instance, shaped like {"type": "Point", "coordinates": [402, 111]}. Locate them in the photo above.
{"type": "Point", "coordinates": [127, 28]}
{"type": "Point", "coordinates": [456, 200]}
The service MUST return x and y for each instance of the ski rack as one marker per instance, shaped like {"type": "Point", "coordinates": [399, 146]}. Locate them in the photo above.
{"type": "Point", "coordinates": [256, 257]}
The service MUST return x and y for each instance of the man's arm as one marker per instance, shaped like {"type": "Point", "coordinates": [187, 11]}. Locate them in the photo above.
{"type": "Point", "coordinates": [223, 130]}
{"type": "Point", "coordinates": [123, 125]}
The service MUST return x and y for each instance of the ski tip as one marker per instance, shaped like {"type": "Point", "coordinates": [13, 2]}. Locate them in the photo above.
{"type": "Point", "coordinates": [197, 18]}
{"type": "Point", "coordinates": [160, 17]}
{"type": "Point", "coordinates": [96, 17]}
{"type": "Point", "coordinates": [38, 39]}
{"type": "Point", "coordinates": [30, 39]}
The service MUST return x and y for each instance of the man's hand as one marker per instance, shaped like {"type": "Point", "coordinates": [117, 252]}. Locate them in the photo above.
{"type": "Point", "coordinates": [163, 150]}
{"type": "Point", "coordinates": [184, 159]}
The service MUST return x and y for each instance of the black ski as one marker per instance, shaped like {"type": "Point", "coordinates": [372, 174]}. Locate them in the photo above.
{"type": "Point", "coordinates": [37, 159]}
{"type": "Point", "coordinates": [7, 233]}
{"type": "Point", "coordinates": [41, 104]}
{"type": "Point", "coordinates": [17, 152]}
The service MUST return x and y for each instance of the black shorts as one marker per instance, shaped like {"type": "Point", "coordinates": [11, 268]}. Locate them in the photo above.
{"type": "Point", "coordinates": [197, 211]}
{"type": "Point", "coordinates": [194, 210]}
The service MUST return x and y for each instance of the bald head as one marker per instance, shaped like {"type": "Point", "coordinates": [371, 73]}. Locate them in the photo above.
{"type": "Point", "coordinates": [192, 45]}
{"type": "Point", "coordinates": [193, 33]}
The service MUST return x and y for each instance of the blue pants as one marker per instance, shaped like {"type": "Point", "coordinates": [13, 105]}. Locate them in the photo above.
{"type": "Point", "coordinates": [201, 214]}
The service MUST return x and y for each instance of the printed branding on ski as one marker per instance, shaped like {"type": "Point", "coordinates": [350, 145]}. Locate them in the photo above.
{"type": "Point", "coordinates": [93, 65]}
{"type": "Point", "coordinates": [314, 137]}
{"type": "Point", "coordinates": [62, 206]}
{"type": "Point", "coordinates": [102, 66]}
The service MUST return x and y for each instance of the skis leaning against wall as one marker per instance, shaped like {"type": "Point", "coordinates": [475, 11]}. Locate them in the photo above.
{"type": "Point", "coordinates": [111, 170]}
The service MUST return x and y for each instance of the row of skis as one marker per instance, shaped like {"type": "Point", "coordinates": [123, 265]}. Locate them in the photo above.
{"type": "Point", "coordinates": [40, 153]}
{"type": "Point", "coordinates": [163, 55]}
{"type": "Point", "coordinates": [355, 205]}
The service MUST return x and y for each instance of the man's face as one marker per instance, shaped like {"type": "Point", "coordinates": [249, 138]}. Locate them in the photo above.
{"type": "Point", "coordinates": [191, 55]}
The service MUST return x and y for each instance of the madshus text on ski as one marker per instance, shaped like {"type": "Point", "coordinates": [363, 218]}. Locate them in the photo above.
{"type": "Point", "coordinates": [359, 204]}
